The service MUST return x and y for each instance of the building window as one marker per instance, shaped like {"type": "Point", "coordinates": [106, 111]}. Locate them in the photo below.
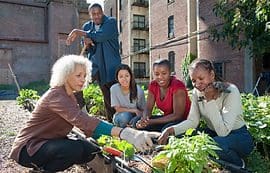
{"type": "Point", "coordinates": [219, 69]}
{"type": "Point", "coordinates": [111, 11]}
{"type": "Point", "coordinates": [139, 69]}
{"type": "Point", "coordinates": [120, 25]}
{"type": "Point", "coordinates": [171, 57]}
{"type": "Point", "coordinates": [138, 44]}
{"type": "Point", "coordinates": [120, 48]}
{"type": "Point", "coordinates": [138, 21]}
{"type": "Point", "coordinates": [171, 27]}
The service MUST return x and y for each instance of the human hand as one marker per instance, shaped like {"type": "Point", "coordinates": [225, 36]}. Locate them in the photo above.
{"type": "Point", "coordinates": [142, 123]}
{"type": "Point", "coordinates": [142, 140]}
{"type": "Point", "coordinates": [72, 36]}
{"type": "Point", "coordinates": [88, 42]}
{"type": "Point", "coordinates": [133, 121]}
{"type": "Point", "coordinates": [163, 139]}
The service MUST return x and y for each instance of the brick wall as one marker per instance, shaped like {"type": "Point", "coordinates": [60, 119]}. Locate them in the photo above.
{"type": "Point", "coordinates": [221, 51]}
{"type": "Point", "coordinates": [159, 13]}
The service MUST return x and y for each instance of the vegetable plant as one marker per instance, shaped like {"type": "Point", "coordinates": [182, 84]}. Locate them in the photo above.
{"type": "Point", "coordinates": [188, 154]}
{"type": "Point", "coordinates": [94, 100]}
{"type": "Point", "coordinates": [122, 145]}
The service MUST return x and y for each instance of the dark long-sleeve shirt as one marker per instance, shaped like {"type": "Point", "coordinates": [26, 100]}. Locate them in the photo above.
{"type": "Point", "coordinates": [105, 56]}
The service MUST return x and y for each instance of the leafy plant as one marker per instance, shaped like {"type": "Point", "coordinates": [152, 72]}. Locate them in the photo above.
{"type": "Point", "coordinates": [185, 72]}
{"type": "Point", "coordinates": [27, 97]}
{"type": "Point", "coordinates": [116, 143]}
{"type": "Point", "coordinates": [94, 100]}
{"type": "Point", "coordinates": [257, 163]}
{"type": "Point", "coordinates": [188, 154]}
{"type": "Point", "coordinates": [244, 23]}
{"type": "Point", "coordinates": [256, 112]}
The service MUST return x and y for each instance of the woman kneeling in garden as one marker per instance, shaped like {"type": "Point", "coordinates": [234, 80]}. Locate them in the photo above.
{"type": "Point", "coordinates": [170, 96]}
{"type": "Point", "coordinates": [43, 143]}
{"type": "Point", "coordinates": [219, 104]}
{"type": "Point", "coordinates": [127, 98]}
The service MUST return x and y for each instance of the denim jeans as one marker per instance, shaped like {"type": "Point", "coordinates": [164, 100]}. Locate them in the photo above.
{"type": "Point", "coordinates": [59, 154]}
{"type": "Point", "coordinates": [238, 144]}
{"type": "Point", "coordinates": [122, 119]}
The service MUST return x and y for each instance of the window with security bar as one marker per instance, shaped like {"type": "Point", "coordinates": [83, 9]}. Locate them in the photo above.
{"type": "Point", "coordinates": [139, 69]}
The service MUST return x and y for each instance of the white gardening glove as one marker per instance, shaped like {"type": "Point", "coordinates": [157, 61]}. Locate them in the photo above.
{"type": "Point", "coordinates": [142, 140]}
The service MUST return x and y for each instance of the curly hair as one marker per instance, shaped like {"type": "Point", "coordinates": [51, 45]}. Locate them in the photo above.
{"type": "Point", "coordinates": [66, 65]}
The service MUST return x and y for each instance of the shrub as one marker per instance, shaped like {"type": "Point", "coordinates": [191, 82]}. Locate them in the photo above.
{"type": "Point", "coordinates": [27, 98]}
{"type": "Point", "coordinates": [256, 111]}
{"type": "Point", "coordinates": [94, 100]}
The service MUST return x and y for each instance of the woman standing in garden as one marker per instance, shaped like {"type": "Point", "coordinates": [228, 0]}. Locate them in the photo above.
{"type": "Point", "coordinates": [43, 143]}
{"type": "Point", "coordinates": [127, 98]}
{"type": "Point", "coordinates": [170, 96]}
{"type": "Point", "coordinates": [219, 104]}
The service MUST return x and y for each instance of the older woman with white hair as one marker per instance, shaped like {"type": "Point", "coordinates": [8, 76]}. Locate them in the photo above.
{"type": "Point", "coordinates": [43, 143]}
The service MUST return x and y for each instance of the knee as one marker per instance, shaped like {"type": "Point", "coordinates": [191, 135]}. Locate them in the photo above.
{"type": "Point", "coordinates": [122, 119]}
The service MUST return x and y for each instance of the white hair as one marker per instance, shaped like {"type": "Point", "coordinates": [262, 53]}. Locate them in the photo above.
{"type": "Point", "coordinates": [66, 65]}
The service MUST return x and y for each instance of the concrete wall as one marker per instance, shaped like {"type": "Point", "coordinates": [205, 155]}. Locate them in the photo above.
{"type": "Point", "coordinates": [32, 36]}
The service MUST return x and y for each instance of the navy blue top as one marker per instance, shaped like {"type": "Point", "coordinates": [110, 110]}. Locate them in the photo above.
{"type": "Point", "coordinates": [105, 56]}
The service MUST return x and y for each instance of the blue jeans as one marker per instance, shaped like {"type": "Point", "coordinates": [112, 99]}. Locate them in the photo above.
{"type": "Point", "coordinates": [238, 144]}
{"type": "Point", "coordinates": [122, 119]}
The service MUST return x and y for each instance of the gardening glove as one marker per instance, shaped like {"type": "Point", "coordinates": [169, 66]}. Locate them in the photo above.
{"type": "Point", "coordinates": [142, 140]}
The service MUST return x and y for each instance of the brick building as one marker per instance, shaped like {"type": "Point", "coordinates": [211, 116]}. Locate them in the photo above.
{"type": "Point", "coordinates": [179, 27]}
{"type": "Point", "coordinates": [32, 36]}
{"type": "Point", "coordinates": [133, 23]}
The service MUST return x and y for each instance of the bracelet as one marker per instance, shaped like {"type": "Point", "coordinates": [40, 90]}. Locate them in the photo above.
{"type": "Point", "coordinates": [121, 132]}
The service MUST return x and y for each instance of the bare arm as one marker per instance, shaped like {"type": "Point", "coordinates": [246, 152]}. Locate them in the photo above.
{"type": "Point", "coordinates": [149, 105]}
{"type": "Point", "coordinates": [123, 109]}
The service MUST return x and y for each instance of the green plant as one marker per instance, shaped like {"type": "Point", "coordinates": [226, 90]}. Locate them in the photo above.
{"type": "Point", "coordinates": [185, 72]}
{"type": "Point", "coordinates": [118, 144]}
{"type": "Point", "coordinates": [244, 23]}
{"type": "Point", "coordinates": [257, 163]}
{"type": "Point", "coordinates": [188, 154]}
{"type": "Point", "coordinates": [27, 97]}
{"type": "Point", "coordinates": [256, 111]}
{"type": "Point", "coordinates": [94, 100]}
